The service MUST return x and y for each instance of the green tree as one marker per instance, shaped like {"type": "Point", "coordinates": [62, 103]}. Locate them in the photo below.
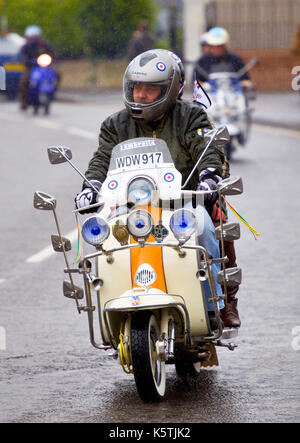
{"type": "Point", "coordinates": [108, 24]}
{"type": "Point", "coordinates": [57, 18]}
{"type": "Point", "coordinates": [76, 27]}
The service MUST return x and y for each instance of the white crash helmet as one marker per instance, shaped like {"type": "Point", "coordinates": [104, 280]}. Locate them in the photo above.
{"type": "Point", "coordinates": [203, 38]}
{"type": "Point", "coordinates": [159, 67]}
{"type": "Point", "coordinates": [32, 31]}
{"type": "Point", "coordinates": [217, 36]}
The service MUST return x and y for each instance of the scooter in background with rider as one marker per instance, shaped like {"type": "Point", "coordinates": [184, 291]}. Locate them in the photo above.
{"type": "Point", "coordinates": [230, 103]}
{"type": "Point", "coordinates": [43, 80]}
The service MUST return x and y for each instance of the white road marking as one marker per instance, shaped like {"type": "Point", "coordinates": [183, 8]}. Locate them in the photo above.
{"type": "Point", "coordinates": [48, 251]}
{"type": "Point", "coordinates": [11, 117]}
{"type": "Point", "coordinates": [48, 124]}
{"type": "Point", "coordinates": [81, 133]}
{"type": "Point", "coordinates": [276, 130]}
{"type": "Point", "coordinates": [2, 280]}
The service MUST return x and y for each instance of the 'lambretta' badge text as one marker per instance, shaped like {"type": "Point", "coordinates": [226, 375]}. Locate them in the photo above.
{"type": "Point", "coordinates": [141, 144]}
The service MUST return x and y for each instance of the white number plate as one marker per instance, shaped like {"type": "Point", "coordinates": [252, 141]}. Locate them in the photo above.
{"type": "Point", "coordinates": [139, 160]}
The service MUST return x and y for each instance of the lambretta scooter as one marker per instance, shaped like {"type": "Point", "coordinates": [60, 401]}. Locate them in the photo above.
{"type": "Point", "coordinates": [146, 283]}
{"type": "Point", "coordinates": [230, 102]}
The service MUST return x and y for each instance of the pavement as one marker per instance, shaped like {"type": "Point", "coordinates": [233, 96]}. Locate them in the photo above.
{"type": "Point", "coordinates": [277, 109]}
{"type": "Point", "coordinates": [281, 109]}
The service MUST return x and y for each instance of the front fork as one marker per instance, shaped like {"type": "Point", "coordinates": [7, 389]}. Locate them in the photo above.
{"type": "Point", "coordinates": [164, 346]}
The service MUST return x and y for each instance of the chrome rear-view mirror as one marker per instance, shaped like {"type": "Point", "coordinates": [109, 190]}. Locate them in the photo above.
{"type": "Point", "coordinates": [231, 186]}
{"type": "Point", "coordinates": [230, 231]}
{"type": "Point", "coordinates": [222, 136]}
{"type": "Point", "coordinates": [60, 244]}
{"type": "Point", "coordinates": [233, 277]}
{"type": "Point", "coordinates": [71, 291]}
{"type": "Point", "coordinates": [43, 201]}
{"type": "Point", "coordinates": [59, 154]}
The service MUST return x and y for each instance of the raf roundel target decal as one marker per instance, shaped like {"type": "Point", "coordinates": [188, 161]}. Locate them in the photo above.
{"type": "Point", "coordinates": [161, 66]}
{"type": "Point", "coordinates": [169, 177]}
{"type": "Point", "coordinates": [112, 185]}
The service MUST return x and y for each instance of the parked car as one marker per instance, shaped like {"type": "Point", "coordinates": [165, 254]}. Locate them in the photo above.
{"type": "Point", "coordinates": [10, 46]}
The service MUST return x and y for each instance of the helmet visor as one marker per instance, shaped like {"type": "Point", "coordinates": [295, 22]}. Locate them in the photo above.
{"type": "Point", "coordinates": [144, 93]}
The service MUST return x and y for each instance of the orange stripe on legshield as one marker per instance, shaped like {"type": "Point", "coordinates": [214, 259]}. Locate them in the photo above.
{"type": "Point", "coordinates": [150, 255]}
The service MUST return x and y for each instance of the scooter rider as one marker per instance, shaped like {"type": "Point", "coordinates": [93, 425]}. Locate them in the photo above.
{"type": "Point", "coordinates": [218, 39]}
{"type": "Point", "coordinates": [29, 53]}
{"type": "Point", "coordinates": [152, 83]}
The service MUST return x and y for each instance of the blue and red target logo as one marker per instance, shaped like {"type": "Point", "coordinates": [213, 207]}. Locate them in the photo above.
{"type": "Point", "coordinates": [161, 66]}
{"type": "Point", "coordinates": [112, 185]}
{"type": "Point", "coordinates": [169, 177]}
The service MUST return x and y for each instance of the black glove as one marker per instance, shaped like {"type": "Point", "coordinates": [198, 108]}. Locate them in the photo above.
{"type": "Point", "coordinates": [208, 181]}
{"type": "Point", "coordinates": [88, 197]}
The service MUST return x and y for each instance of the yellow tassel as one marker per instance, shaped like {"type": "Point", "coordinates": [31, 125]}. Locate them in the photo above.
{"type": "Point", "coordinates": [254, 232]}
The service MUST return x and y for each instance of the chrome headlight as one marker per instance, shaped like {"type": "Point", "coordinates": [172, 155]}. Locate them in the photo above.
{"type": "Point", "coordinates": [183, 224]}
{"type": "Point", "coordinates": [95, 230]}
{"type": "Point", "coordinates": [140, 223]}
{"type": "Point", "coordinates": [140, 191]}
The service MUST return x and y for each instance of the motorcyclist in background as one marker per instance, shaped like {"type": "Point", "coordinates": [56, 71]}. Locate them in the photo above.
{"type": "Point", "coordinates": [218, 39]}
{"type": "Point", "coordinates": [152, 86]}
{"type": "Point", "coordinates": [35, 45]}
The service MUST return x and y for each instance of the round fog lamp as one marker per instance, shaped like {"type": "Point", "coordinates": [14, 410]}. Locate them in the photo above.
{"type": "Point", "coordinates": [95, 230]}
{"type": "Point", "coordinates": [183, 224]}
{"type": "Point", "coordinates": [140, 223]}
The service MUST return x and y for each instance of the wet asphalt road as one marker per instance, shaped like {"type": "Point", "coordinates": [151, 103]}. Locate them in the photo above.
{"type": "Point", "coordinates": [49, 372]}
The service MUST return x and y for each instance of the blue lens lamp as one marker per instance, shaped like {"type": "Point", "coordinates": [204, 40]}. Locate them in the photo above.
{"type": "Point", "coordinates": [95, 231]}
{"type": "Point", "coordinates": [183, 224]}
{"type": "Point", "coordinates": [140, 223]}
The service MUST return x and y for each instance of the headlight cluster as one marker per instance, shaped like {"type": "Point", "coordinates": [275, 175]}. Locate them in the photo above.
{"type": "Point", "coordinates": [140, 224]}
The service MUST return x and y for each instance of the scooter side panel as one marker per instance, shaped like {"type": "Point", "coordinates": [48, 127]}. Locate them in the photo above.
{"type": "Point", "coordinates": [116, 277]}
{"type": "Point", "coordinates": [180, 275]}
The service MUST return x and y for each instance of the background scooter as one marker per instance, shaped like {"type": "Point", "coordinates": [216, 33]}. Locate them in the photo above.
{"type": "Point", "coordinates": [43, 80]}
{"type": "Point", "coordinates": [230, 103]}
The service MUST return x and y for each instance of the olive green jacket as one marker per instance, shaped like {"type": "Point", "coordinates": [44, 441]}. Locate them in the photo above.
{"type": "Point", "coordinates": [181, 129]}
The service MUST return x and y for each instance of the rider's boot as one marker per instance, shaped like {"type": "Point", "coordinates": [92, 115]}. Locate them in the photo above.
{"type": "Point", "coordinates": [230, 313]}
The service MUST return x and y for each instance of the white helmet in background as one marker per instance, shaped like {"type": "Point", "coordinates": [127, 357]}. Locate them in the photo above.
{"type": "Point", "coordinates": [159, 67]}
{"type": "Point", "coordinates": [217, 36]}
{"type": "Point", "coordinates": [33, 31]}
{"type": "Point", "coordinates": [203, 39]}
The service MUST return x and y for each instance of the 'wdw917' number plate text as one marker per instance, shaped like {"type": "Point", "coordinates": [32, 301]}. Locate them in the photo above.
{"type": "Point", "coordinates": [146, 159]}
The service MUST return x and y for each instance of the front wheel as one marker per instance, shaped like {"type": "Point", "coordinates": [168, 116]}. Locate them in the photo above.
{"type": "Point", "coordinates": [149, 370]}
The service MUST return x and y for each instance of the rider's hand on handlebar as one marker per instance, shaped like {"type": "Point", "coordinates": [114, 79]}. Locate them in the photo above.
{"type": "Point", "coordinates": [208, 181]}
{"type": "Point", "coordinates": [88, 196]}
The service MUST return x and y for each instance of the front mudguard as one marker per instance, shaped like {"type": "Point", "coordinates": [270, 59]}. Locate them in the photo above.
{"type": "Point", "coordinates": [117, 310]}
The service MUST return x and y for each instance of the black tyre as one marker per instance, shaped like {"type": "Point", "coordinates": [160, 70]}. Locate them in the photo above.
{"type": "Point", "coordinates": [149, 370]}
{"type": "Point", "coordinates": [187, 369]}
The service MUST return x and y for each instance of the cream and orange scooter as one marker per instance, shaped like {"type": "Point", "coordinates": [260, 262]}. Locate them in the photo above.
{"type": "Point", "coordinates": [149, 269]}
